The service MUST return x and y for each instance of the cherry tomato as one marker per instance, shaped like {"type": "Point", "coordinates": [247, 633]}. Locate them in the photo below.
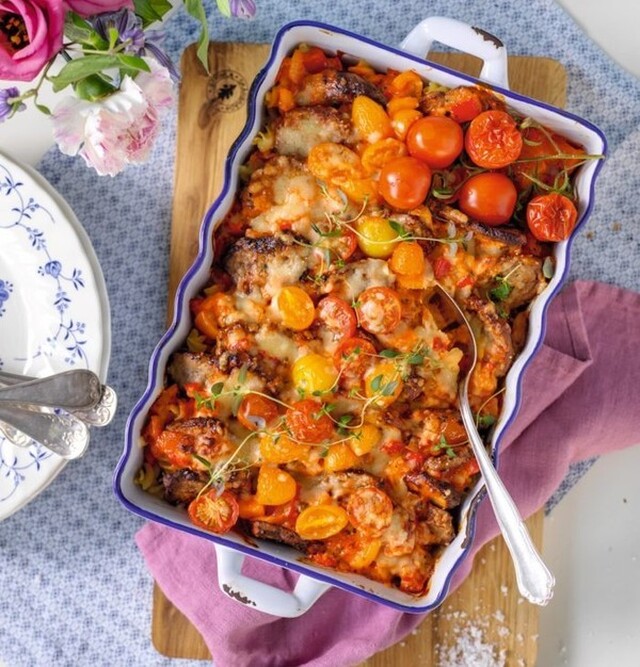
{"type": "Point", "coordinates": [375, 156]}
{"type": "Point", "coordinates": [384, 383]}
{"type": "Point", "coordinates": [282, 449]}
{"type": "Point", "coordinates": [370, 119]}
{"type": "Point", "coordinates": [313, 374]}
{"type": "Point", "coordinates": [319, 522]}
{"type": "Point", "coordinates": [376, 237]}
{"type": "Point", "coordinates": [493, 140]}
{"type": "Point", "coordinates": [353, 357]}
{"type": "Point", "coordinates": [407, 259]}
{"type": "Point", "coordinates": [255, 412]}
{"type": "Point", "coordinates": [340, 457]}
{"type": "Point", "coordinates": [436, 140]}
{"type": "Point", "coordinates": [295, 307]}
{"type": "Point", "coordinates": [405, 182]}
{"type": "Point", "coordinates": [488, 197]}
{"type": "Point", "coordinates": [307, 422]}
{"type": "Point", "coordinates": [379, 310]}
{"type": "Point", "coordinates": [370, 510]}
{"type": "Point", "coordinates": [364, 439]}
{"type": "Point", "coordinates": [337, 316]}
{"type": "Point", "coordinates": [551, 217]}
{"type": "Point", "coordinates": [213, 512]}
{"type": "Point", "coordinates": [346, 244]}
{"type": "Point", "coordinates": [463, 103]}
{"type": "Point", "coordinates": [275, 486]}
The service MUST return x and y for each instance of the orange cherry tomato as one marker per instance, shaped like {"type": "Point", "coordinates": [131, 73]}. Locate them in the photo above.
{"type": "Point", "coordinates": [493, 140]}
{"type": "Point", "coordinates": [402, 121]}
{"type": "Point", "coordinates": [407, 259]}
{"type": "Point", "coordinates": [336, 315]}
{"type": "Point", "coordinates": [295, 307]}
{"type": "Point", "coordinates": [370, 119]}
{"type": "Point", "coordinates": [375, 156]}
{"type": "Point", "coordinates": [207, 323]}
{"type": "Point", "coordinates": [256, 412]}
{"type": "Point", "coordinates": [250, 508]}
{"type": "Point", "coordinates": [370, 510]}
{"type": "Point", "coordinates": [213, 512]}
{"type": "Point", "coordinates": [551, 217]}
{"type": "Point", "coordinates": [307, 422]}
{"type": "Point", "coordinates": [282, 449]}
{"type": "Point", "coordinates": [488, 197]}
{"type": "Point", "coordinates": [436, 140]}
{"type": "Point", "coordinates": [275, 486]}
{"type": "Point", "coordinates": [396, 104]}
{"type": "Point", "coordinates": [320, 522]}
{"type": "Point", "coordinates": [379, 310]}
{"type": "Point", "coordinates": [405, 182]}
{"type": "Point", "coordinates": [406, 84]}
{"type": "Point", "coordinates": [340, 457]}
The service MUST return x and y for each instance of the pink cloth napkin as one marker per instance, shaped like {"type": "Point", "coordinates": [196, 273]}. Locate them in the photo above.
{"type": "Point", "coordinates": [580, 400]}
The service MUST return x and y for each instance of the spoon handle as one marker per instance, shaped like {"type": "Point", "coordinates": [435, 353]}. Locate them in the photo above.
{"type": "Point", "coordinates": [535, 582]}
{"type": "Point", "coordinates": [62, 433]}
{"type": "Point", "coordinates": [73, 390]}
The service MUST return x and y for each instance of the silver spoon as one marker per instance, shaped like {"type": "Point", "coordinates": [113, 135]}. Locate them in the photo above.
{"type": "Point", "coordinates": [535, 581]}
{"type": "Point", "coordinates": [63, 434]}
{"type": "Point", "coordinates": [101, 414]}
{"type": "Point", "coordinates": [71, 390]}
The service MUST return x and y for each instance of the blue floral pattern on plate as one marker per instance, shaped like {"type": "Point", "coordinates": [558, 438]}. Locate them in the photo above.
{"type": "Point", "coordinates": [52, 302]}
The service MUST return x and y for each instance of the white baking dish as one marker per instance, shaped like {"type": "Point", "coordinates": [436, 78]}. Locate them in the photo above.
{"type": "Point", "coordinates": [232, 548]}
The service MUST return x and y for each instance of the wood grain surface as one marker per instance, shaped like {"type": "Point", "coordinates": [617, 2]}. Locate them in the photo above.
{"type": "Point", "coordinates": [212, 112]}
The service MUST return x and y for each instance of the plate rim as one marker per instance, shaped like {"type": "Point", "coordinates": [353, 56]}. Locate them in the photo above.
{"type": "Point", "coordinates": [101, 291]}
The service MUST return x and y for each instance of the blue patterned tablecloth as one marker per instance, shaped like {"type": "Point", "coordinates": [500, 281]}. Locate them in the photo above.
{"type": "Point", "coordinates": [73, 587]}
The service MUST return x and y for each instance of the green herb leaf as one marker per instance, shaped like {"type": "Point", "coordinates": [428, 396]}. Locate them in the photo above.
{"type": "Point", "coordinates": [376, 383]}
{"type": "Point", "coordinates": [216, 389]}
{"type": "Point", "coordinates": [44, 109]}
{"type": "Point", "coordinates": [399, 229]}
{"type": "Point", "coordinates": [415, 359]}
{"type": "Point", "coordinates": [389, 388]}
{"type": "Point", "coordinates": [196, 9]}
{"type": "Point", "coordinates": [205, 463]}
{"type": "Point", "coordinates": [345, 419]}
{"type": "Point", "coordinates": [235, 403]}
{"type": "Point", "coordinates": [390, 354]}
{"type": "Point", "coordinates": [242, 375]}
{"type": "Point", "coordinates": [501, 291]}
{"type": "Point", "coordinates": [484, 421]}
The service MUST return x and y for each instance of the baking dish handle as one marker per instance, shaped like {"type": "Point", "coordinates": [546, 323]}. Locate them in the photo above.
{"type": "Point", "coordinates": [463, 37]}
{"type": "Point", "coordinates": [261, 596]}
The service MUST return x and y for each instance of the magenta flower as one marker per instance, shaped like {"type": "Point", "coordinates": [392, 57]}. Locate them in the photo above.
{"type": "Point", "coordinates": [89, 7]}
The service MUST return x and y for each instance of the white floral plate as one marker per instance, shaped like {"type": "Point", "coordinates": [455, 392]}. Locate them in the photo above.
{"type": "Point", "coordinates": [54, 309]}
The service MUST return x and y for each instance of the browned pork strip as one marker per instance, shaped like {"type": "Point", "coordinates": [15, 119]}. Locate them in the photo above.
{"type": "Point", "coordinates": [334, 88]}
{"type": "Point", "coordinates": [431, 489]}
{"type": "Point", "coordinates": [190, 367]}
{"type": "Point", "coordinates": [182, 486]}
{"type": "Point", "coordinates": [269, 531]}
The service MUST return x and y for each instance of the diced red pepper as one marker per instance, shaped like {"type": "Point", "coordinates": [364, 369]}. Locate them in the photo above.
{"type": "Point", "coordinates": [441, 267]}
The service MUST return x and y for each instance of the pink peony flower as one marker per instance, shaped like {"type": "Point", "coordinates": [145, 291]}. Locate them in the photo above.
{"type": "Point", "coordinates": [30, 35]}
{"type": "Point", "coordinates": [118, 129]}
{"type": "Point", "coordinates": [90, 7]}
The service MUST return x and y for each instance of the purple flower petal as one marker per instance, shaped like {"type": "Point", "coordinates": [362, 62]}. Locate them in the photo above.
{"type": "Point", "coordinates": [242, 9]}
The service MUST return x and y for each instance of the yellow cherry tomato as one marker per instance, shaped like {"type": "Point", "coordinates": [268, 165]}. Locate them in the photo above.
{"type": "Point", "coordinates": [339, 457]}
{"type": "Point", "coordinates": [384, 382]}
{"type": "Point", "coordinates": [370, 119]}
{"type": "Point", "coordinates": [320, 522]}
{"type": "Point", "coordinates": [407, 84]}
{"type": "Point", "coordinates": [281, 449]}
{"type": "Point", "coordinates": [314, 373]}
{"type": "Point", "coordinates": [376, 237]}
{"type": "Point", "coordinates": [275, 486]}
{"type": "Point", "coordinates": [295, 307]}
{"type": "Point", "coordinates": [365, 554]}
{"type": "Point", "coordinates": [365, 439]}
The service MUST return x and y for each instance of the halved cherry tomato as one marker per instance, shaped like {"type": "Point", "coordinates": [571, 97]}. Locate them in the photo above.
{"type": "Point", "coordinates": [407, 259]}
{"type": "Point", "coordinates": [370, 510]}
{"type": "Point", "coordinates": [307, 422]}
{"type": "Point", "coordinates": [436, 140]}
{"type": "Point", "coordinates": [340, 457]}
{"type": "Point", "coordinates": [402, 121]}
{"type": "Point", "coordinates": [313, 374]}
{"type": "Point", "coordinates": [319, 522]}
{"type": "Point", "coordinates": [376, 236]}
{"type": "Point", "coordinates": [282, 449]}
{"type": "Point", "coordinates": [213, 512]}
{"type": "Point", "coordinates": [353, 357]}
{"type": "Point", "coordinates": [370, 119]}
{"type": "Point", "coordinates": [375, 156]}
{"type": "Point", "coordinates": [489, 197]}
{"type": "Point", "coordinates": [493, 140]}
{"type": "Point", "coordinates": [295, 307]}
{"type": "Point", "coordinates": [379, 310]}
{"type": "Point", "coordinates": [256, 412]}
{"type": "Point", "coordinates": [384, 383]}
{"type": "Point", "coordinates": [345, 244]}
{"type": "Point", "coordinates": [337, 316]}
{"type": "Point", "coordinates": [274, 486]}
{"type": "Point", "coordinates": [364, 439]}
{"type": "Point", "coordinates": [405, 182]}
{"type": "Point", "coordinates": [551, 217]}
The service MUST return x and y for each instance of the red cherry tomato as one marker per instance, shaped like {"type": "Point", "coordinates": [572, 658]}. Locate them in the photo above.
{"type": "Point", "coordinates": [379, 310]}
{"type": "Point", "coordinates": [255, 412]}
{"type": "Point", "coordinates": [337, 316]}
{"type": "Point", "coordinates": [493, 140]}
{"type": "Point", "coordinates": [307, 422]}
{"type": "Point", "coordinates": [346, 244]}
{"type": "Point", "coordinates": [405, 182]}
{"type": "Point", "coordinates": [551, 217]}
{"type": "Point", "coordinates": [213, 512]}
{"type": "Point", "coordinates": [436, 140]}
{"type": "Point", "coordinates": [353, 358]}
{"type": "Point", "coordinates": [489, 197]}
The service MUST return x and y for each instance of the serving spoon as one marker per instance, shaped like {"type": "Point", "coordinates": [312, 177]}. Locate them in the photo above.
{"type": "Point", "coordinates": [535, 581]}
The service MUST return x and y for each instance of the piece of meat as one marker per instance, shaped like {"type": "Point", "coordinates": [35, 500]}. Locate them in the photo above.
{"type": "Point", "coordinates": [433, 490]}
{"type": "Point", "coordinates": [334, 88]}
{"type": "Point", "coordinates": [435, 525]}
{"type": "Point", "coordinates": [340, 484]}
{"type": "Point", "coordinates": [182, 486]}
{"type": "Point", "coordinates": [191, 367]}
{"type": "Point", "coordinates": [265, 263]}
{"type": "Point", "coordinates": [525, 279]}
{"type": "Point", "coordinates": [299, 130]}
{"type": "Point", "coordinates": [507, 235]}
{"type": "Point", "coordinates": [269, 531]}
{"type": "Point", "coordinates": [205, 436]}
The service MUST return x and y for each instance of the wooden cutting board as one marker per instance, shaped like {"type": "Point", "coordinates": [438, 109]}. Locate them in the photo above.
{"type": "Point", "coordinates": [212, 111]}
